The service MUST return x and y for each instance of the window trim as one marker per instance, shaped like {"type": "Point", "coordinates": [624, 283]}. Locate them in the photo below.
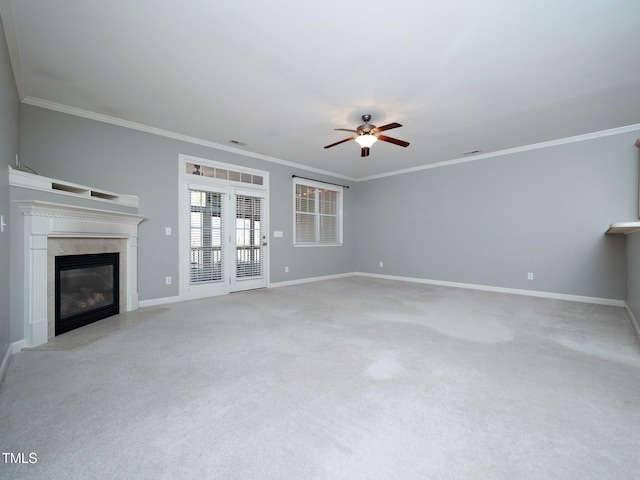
{"type": "Point", "coordinates": [339, 212]}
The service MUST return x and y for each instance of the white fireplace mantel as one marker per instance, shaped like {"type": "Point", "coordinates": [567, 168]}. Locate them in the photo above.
{"type": "Point", "coordinates": [45, 219]}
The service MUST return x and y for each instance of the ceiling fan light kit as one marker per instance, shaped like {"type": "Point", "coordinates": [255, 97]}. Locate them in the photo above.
{"type": "Point", "coordinates": [367, 134]}
{"type": "Point", "coordinates": [366, 139]}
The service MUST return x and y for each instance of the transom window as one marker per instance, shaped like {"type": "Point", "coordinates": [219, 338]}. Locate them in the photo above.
{"type": "Point", "coordinates": [318, 213]}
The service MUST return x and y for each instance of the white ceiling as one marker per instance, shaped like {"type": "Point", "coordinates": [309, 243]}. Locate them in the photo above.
{"type": "Point", "coordinates": [280, 75]}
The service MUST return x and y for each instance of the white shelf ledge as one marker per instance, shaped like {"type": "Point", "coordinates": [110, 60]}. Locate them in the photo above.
{"type": "Point", "coordinates": [19, 178]}
{"type": "Point", "coordinates": [623, 228]}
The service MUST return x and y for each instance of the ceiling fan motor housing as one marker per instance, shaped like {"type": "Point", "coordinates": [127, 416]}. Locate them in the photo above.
{"type": "Point", "coordinates": [366, 127]}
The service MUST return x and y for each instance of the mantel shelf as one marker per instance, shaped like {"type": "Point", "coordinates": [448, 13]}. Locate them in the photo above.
{"type": "Point", "coordinates": [623, 227]}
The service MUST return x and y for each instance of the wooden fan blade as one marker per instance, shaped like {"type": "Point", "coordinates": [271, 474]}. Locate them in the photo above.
{"type": "Point", "coordinates": [386, 127]}
{"type": "Point", "coordinates": [364, 152]}
{"type": "Point", "coordinates": [395, 141]}
{"type": "Point", "coordinates": [346, 130]}
{"type": "Point", "coordinates": [341, 141]}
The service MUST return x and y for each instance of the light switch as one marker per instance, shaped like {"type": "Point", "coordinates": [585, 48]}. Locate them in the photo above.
{"type": "Point", "coordinates": [277, 234]}
{"type": "Point", "coordinates": [2, 224]}
{"type": "Point", "coordinates": [167, 231]}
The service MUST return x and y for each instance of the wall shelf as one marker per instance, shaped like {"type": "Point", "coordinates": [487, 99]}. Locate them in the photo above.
{"type": "Point", "coordinates": [623, 228]}
{"type": "Point", "coordinates": [19, 178]}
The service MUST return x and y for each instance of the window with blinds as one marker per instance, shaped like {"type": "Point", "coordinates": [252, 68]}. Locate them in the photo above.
{"type": "Point", "coordinates": [318, 213]}
{"type": "Point", "coordinates": [206, 234]}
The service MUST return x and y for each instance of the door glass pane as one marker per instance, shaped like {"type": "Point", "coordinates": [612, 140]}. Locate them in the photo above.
{"type": "Point", "coordinates": [249, 262]}
{"type": "Point", "coordinates": [206, 234]}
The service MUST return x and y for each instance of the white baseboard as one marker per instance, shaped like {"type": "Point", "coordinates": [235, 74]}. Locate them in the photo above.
{"type": "Point", "coordinates": [310, 279]}
{"type": "Point", "coordinates": [488, 288]}
{"type": "Point", "coordinates": [634, 320]}
{"type": "Point", "coordinates": [17, 346]}
{"type": "Point", "coordinates": [165, 300]}
{"type": "Point", "coordinates": [5, 362]}
{"type": "Point", "coordinates": [158, 301]}
{"type": "Point", "coordinates": [515, 291]}
{"type": "Point", "coordinates": [13, 348]}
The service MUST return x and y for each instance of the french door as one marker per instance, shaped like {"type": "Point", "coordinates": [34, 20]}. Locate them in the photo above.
{"type": "Point", "coordinates": [250, 241]}
{"type": "Point", "coordinates": [227, 240]}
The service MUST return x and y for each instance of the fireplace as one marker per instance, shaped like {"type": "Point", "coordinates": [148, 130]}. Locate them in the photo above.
{"type": "Point", "coordinates": [86, 289]}
{"type": "Point", "coordinates": [53, 230]}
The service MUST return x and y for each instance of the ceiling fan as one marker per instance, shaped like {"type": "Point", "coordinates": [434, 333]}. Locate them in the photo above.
{"type": "Point", "coordinates": [368, 134]}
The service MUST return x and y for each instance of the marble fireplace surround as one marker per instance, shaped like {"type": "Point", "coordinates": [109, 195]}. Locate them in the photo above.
{"type": "Point", "coordinates": [53, 228]}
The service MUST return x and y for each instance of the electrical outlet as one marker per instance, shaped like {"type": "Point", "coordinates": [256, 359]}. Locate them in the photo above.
{"type": "Point", "coordinates": [530, 276]}
{"type": "Point", "coordinates": [286, 269]}
{"type": "Point", "coordinates": [167, 280]}
{"type": "Point", "coordinates": [381, 264]}
{"type": "Point", "coordinates": [167, 231]}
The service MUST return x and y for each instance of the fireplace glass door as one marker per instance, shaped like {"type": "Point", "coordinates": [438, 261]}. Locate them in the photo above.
{"type": "Point", "coordinates": [86, 289]}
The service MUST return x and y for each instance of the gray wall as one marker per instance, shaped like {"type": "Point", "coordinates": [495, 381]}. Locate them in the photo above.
{"type": "Point", "coordinates": [491, 221]}
{"type": "Point", "coordinates": [9, 121]}
{"type": "Point", "coordinates": [128, 161]}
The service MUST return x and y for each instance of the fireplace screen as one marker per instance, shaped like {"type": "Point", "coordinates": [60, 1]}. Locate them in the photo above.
{"type": "Point", "coordinates": [86, 289]}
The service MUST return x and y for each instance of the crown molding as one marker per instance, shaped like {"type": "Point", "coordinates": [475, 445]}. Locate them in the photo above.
{"type": "Point", "coordinates": [198, 141]}
{"type": "Point", "coordinates": [509, 151]}
{"type": "Point", "coordinates": [58, 107]}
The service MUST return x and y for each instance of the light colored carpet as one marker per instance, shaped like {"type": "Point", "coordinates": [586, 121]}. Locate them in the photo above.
{"type": "Point", "coordinates": [355, 378]}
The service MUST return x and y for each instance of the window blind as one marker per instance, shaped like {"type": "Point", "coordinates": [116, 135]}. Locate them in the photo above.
{"type": "Point", "coordinates": [317, 214]}
{"type": "Point", "coordinates": [249, 261]}
{"type": "Point", "coordinates": [206, 234]}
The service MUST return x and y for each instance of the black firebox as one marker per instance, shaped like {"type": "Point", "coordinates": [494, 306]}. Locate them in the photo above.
{"type": "Point", "coordinates": [86, 289]}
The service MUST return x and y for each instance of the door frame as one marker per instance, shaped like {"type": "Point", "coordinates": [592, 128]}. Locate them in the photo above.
{"type": "Point", "coordinates": [217, 184]}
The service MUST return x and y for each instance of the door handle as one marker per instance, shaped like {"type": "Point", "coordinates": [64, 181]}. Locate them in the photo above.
{"type": "Point", "coordinates": [263, 243]}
